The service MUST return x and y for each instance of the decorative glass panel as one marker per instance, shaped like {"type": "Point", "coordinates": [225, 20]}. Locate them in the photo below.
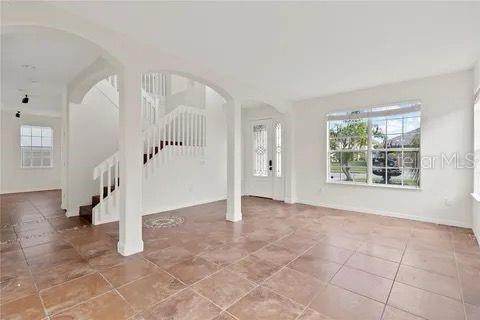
{"type": "Point", "coordinates": [278, 150]}
{"type": "Point", "coordinates": [260, 150]}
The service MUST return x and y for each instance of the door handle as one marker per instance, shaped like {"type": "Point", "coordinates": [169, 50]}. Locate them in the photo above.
{"type": "Point", "coordinates": [270, 165]}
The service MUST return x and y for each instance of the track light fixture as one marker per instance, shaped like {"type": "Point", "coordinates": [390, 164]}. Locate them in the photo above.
{"type": "Point", "coordinates": [25, 99]}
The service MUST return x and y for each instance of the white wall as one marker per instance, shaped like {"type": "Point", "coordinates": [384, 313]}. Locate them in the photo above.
{"type": "Point", "coordinates": [93, 136]}
{"type": "Point", "coordinates": [187, 181]}
{"type": "Point", "coordinates": [447, 126]}
{"type": "Point", "coordinates": [16, 179]}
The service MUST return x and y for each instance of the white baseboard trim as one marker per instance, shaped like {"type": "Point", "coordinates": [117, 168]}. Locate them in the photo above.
{"type": "Point", "coordinates": [477, 235]}
{"type": "Point", "coordinates": [390, 214]}
{"type": "Point", "coordinates": [30, 190]}
{"type": "Point", "coordinates": [127, 250]}
{"type": "Point", "coordinates": [183, 205]}
{"type": "Point", "coordinates": [72, 214]}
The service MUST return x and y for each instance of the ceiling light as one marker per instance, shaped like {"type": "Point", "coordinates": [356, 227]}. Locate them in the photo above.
{"type": "Point", "coordinates": [25, 99]}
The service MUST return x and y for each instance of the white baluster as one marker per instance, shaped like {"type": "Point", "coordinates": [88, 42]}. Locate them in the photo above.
{"type": "Point", "coordinates": [174, 132]}
{"type": "Point", "coordinates": [183, 130]}
{"type": "Point", "coordinates": [101, 189]}
{"type": "Point", "coordinates": [109, 176]}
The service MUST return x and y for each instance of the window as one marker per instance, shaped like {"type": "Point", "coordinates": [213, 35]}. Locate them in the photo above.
{"type": "Point", "coordinates": [375, 146]}
{"type": "Point", "coordinates": [260, 151]}
{"type": "Point", "coordinates": [36, 145]}
{"type": "Point", "coordinates": [278, 150]}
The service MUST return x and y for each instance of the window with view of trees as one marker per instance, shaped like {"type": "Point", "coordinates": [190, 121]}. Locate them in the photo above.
{"type": "Point", "coordinates": [375, 146]}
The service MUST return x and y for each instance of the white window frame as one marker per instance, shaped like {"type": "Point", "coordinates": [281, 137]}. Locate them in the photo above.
{"type": "Point", "coordinates": [50, 148]}
{"type": "Point", "coordinates": [369, 149]}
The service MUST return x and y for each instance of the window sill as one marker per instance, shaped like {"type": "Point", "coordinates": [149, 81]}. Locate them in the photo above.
{"type": "Point", "coordinates": [51, 167]}
{"type": "Point", "coordinates": [374, 185]}
{"type": "Point", "coordinates": [475, 196]}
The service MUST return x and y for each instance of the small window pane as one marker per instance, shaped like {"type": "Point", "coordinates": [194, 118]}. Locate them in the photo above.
{"type": "Point", "coordinates": [46, 132]}
{"type": "Point", "coordinates": [411, 177]}
{"type": "Point", "coordinates": [394, 159]}
{"type": "Point", "coordinates": [359, 174]}
{"type": "Point", "coordinates": [36, 141]}
{"type": "Point", "coordinates": [394, 176]}
{"type": "Point", "coordinates": [26, 141]}
{"type": "Point", "coordinates": [394, 126]}
{"type": "Point", "coordinates": [26, 162]}
{"type": "Point", "coordinates": [411, 159]}
{"type": "Point", "coordinates": [36, 131]}
{"type": "Point", "coordinates": [412, 139]}
{"type": "Point", "coordinates": [46, 142]}
{"type": "Point", "coordinates": [378, 159]}
{"type": "Point", "coordinates": [26, 131]}
{"type": "Point", "coordinates": [379, 175]}
{"type": "Point", "coordinates": [394, 141]}
{"type": "Point", "coordinates": [36, 162]}
{"type": "Point", "coordinates": [378, 142]}
{"type": "Point", "coordinates": [46, 162]}
{"type": "Point", "coordinates": [411, 124]}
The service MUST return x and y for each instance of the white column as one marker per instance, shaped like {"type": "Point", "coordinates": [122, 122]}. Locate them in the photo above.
{"type": "Point", "coordinates": [234, 161]}
{"type": "Point", "coordinates": [64, 148]}
{"type": "Point", "coordinates": [131, 163]}
{"type": "Point", "coordinates": [290, 194]}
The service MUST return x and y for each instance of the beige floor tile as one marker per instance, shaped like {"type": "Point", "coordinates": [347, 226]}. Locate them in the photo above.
{"type": "Point", "coordinates": [145, 292]}
{"type": "Point", "coordinates": [299, 287]}
{"type": "Point", "coordinates": [265, 304]}
{"type": "Point", "coordinates": [70, 293]}
{"type": "Point", "coordinates": [377, 266]}
{"type": "Point", "coordinates": [339, 303]}
{"type": "Point", "coordinates": [430, 281]}
{"type": "Point", "coordinates": [425, 304]}
{"type": "Point", "coordinates": [363, 283]}
{"type": "Point", "coordinates": [224, 288]}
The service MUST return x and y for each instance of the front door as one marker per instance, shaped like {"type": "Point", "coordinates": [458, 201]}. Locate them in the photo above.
{"type": "Point", "coordinates": [263, 159]}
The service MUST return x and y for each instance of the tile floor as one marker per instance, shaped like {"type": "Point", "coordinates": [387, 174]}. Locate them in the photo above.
{"type": "Point", "coordinates": [281, 262]}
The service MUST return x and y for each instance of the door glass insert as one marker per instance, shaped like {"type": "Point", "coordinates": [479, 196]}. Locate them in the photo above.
{"type": "Point", "coordinates": [260, 150]}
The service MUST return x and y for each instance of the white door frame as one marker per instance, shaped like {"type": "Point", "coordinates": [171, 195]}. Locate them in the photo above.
{"type": "Point", "coordinates": [275, 186]}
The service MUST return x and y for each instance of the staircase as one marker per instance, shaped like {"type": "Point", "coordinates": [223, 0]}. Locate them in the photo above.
{"type": "Point", "coordinates": [180, 133]}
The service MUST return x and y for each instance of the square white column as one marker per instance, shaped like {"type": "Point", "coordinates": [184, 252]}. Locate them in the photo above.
{"type": "Point", "coordinates": [234, 161]}
{"type": "Point", "coordinates": [131, 163]}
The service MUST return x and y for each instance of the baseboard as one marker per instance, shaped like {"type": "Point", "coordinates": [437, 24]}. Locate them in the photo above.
{"type": "Point", "coordinates": [31, 190]}
{"type": "Point", "coordinates": [390, 214]}
{"type": "Point", "coordinates": [183, 205]}
{"type": "Point", "coordinates": [72, 214]}
{"type": "Point", "coordinates": [477, 235]}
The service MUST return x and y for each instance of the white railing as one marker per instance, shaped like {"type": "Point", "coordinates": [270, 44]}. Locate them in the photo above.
{"type": "Point", "coordinates": [113, 80]}
{"type": "Point", "coordinates": [108, 174]}
{"type": "Point", "coordinates": [181, 132]}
